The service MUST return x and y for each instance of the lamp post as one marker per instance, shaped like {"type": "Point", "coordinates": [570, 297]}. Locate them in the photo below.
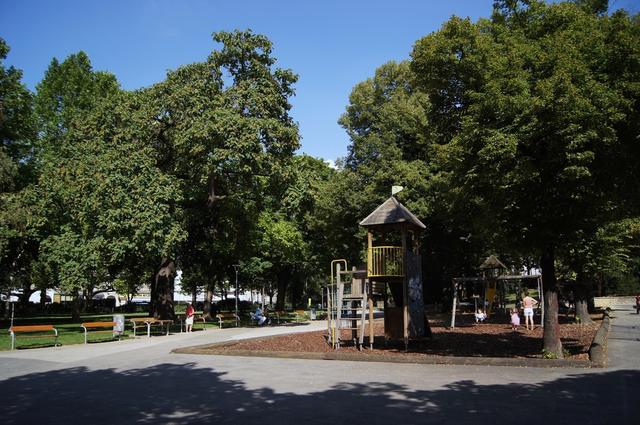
{"type": "Point", "coordinates": [236, 267]}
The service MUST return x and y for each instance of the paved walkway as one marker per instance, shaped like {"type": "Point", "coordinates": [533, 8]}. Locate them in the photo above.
{"type": "Point", "coordinates": [140, 381]}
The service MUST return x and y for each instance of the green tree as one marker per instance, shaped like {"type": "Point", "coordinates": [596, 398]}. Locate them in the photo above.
{"type": "Point", "coordinates": [542, 126]}
{"type": "Point", "coordinates": [223, 130]}
{"type": "Point", "coordinates": [110, 204]}
{"type": "Point", "coordinates": [297, 198]}
{"type": "Point", "coordinates": [283, 246]}
{"type": "Point", "coordinates": [17, 127]}
{"type": "Point", "coordinates": [68, 90]}
{"type": "Point", "coordinates": [396, 135]}
{"type": "Point", "coordinates": [17, 138]}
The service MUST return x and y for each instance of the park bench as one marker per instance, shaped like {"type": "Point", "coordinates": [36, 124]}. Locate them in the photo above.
{"type": "Point", "coordinates": [200, 319]}
{"type": "Point", "coordinates": [284, 316]}
{"type": "Point", "coordinates": [224, 318]}
{"type": "Point", "coordinates": [33, 331]}
{"type": "Point", "coordinates": [137, 322]}
{"type": "Point", "coordinates": [96, 326]}
{"type": "Point", "coordinates": [288, 316]}
{"type": "Point", "coordinates": [300, 315]}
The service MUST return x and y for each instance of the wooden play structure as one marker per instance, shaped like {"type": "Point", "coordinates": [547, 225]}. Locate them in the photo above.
{"type": "Point", "coordinates": [495, 284]}
{"type": "Point", "coordinates": [393, 274]}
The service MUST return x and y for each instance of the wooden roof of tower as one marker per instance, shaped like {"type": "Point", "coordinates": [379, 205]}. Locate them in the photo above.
{"type": "Point", "coordinates": [492, 262]}
{"type": "Point", "coordinates": [392, 212]}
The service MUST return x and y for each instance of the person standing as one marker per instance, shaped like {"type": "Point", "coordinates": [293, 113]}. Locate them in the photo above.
{"type": "Point", "coordinates": [528, 303]}
{"type": "Point", "coordinates": [189, 320]}
{"type": "Point", "coordinates": [515, 319]}
{"type": "Point", "coordinates": [638, 304]}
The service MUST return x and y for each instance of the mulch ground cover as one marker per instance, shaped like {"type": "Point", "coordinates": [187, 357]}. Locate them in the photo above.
{"type": "Point", "coordinates": [492, 339]}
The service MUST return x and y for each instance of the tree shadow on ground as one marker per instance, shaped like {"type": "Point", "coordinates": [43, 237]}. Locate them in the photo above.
{"type": "Point", "coordinates": [183, 393]}
{"type": "Point", "coordinates": [458, 343]}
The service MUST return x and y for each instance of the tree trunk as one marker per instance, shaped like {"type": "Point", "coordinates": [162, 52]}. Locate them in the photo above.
{"type": "Point", "coordinates": [212, 198]}
{"type": "Point", "coordinates": [551, 336]}
{"type": "Point", "coordinates": [207, 304]}
{"type": "Point", "coordinates": [581, 298]}
{"type": "Point", "coordinates": [75, 308]}
{"type": "Point", "coordinates": [43, 299]}
{"type": "Point", "coordinates": [162, 288]}
{"type": "Point", "coordinates": [26, 294]}
{"type": "Point", "coordinates": [600, 281]}
{"type": "Point", "coordinates": [283, 283]}
{"type": "Point", "coordinates": [7, 305]}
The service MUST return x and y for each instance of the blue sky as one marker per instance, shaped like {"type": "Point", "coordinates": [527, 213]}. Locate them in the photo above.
{"type": "Point", "coordinates": [331, 45]}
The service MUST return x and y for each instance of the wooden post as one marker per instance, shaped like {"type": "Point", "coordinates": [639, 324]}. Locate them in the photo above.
{"type": "Point", "coordinates": [370, 302]}
{"type": "Point", "coordinates": [363, 304]}
{"type": "Point", "coordinates": [370, 286]}
{"type": "Point", "coordinates": [455, 302]}
{"type": "Point", "coordinates": [329, 315]}
{"type": "Point", "coordinates": [369, 246]}
{"type": "Point", "coordinates": [405, 291]}
{"type": "Point", "coordinates": [541, 291]}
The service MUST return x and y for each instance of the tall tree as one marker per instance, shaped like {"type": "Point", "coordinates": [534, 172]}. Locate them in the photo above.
{"type": "Point", "coordinates": [540, 140]}
{"type": "Point", "coordinates": [17, 127]}
{"type": "Point", "coordinates": [223, 130]}
{"type": "Point", "coordinates": [112, 206]}
{"type": "Point", "coordinates": [17, 140]}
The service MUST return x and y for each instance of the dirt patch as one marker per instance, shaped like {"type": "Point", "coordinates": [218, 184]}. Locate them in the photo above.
{"type": "Point", "coordinates": [468, 340]}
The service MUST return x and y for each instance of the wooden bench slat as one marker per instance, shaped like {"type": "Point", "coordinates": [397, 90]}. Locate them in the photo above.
{"type": "Point", "coordinates": [142, 319]}
{"type": "Point", "coordinates": [32, 328]}
{"type": "Point", "coordinates": [98, 324]}
{"type": "Point", "coordinates": [39, 336]}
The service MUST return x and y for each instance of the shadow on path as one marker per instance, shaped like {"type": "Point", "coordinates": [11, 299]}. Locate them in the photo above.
{"type": "Point", "coordinates": [170, 393]}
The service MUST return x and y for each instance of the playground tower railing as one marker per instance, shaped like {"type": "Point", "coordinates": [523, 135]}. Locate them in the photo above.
{"type": "Point", "coordinates": [385, 261]}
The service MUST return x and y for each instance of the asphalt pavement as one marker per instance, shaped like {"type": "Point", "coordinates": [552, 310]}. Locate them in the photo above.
{"type": "Point", "coordinates": [141, 381]}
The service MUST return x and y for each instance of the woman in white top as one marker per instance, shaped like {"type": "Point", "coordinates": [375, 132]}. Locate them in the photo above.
{"type": "Point", "coordinates": [528, 303]}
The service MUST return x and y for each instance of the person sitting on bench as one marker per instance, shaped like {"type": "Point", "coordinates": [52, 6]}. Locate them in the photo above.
{"type": "Point", "coordinates": [259, 316]}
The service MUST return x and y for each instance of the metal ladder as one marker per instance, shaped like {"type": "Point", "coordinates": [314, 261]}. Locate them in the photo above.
{"type": "Point", "coordinates": [341, 312]}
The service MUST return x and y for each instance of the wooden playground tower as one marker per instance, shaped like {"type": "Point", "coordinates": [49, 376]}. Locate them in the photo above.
{"type": "Point", "coordinates": [393, 274]}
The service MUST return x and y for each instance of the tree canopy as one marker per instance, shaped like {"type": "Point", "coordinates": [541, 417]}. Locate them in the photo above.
{"type": "Point", "coordinates": [516, 135]}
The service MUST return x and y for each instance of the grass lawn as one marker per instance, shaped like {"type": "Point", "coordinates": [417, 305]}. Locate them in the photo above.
{"type": "Point", "coordinates": [69, 332]}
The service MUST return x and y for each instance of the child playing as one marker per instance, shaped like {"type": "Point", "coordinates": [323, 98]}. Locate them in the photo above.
{"type": "Point", "coordinates": [480, 316]}
{"type": "Point", "coordinates": [515, 319]}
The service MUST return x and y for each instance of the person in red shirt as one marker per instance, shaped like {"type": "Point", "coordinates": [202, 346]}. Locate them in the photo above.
{"type": "Point", "coordinates": [189, 320]}
{"type": "Point", "coordinates": [638, 304]}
